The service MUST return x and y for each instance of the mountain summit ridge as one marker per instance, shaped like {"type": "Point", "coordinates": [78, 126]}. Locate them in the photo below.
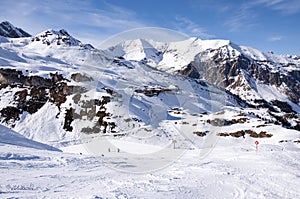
{"type": "Point", "coordinates": [224, 59]}
{"type": "Point", "coordinates": [9, 30]}
{"type": "Point", "coordinates": [58, 37]}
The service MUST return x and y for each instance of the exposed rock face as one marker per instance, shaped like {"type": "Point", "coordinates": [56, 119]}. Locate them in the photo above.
{"type": "Point", "coordinates": [190, 71]}
{"type": "Point", "coordinates": [251, 133]}
{"type": "Point", "coordinates": [34, 92]}
{"type": "Point", "coordinates": [31, 102]}
{"type": "Point", "coordinates": [90, 112]}
{"type": "Point", "coordinates": [8, 30]}
{"type": "Point", "coordinates": [13, 77]}
{"type": "Point", "coordinates": [77, 77]}
{"type": "Point", "coordinates": [223, 71]}
{"type": "Point", "coordinates": [10, 114]}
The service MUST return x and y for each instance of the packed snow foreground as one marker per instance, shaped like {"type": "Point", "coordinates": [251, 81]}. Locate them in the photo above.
{"type": "Point", "coordinates": [144, 118]}
{"type": "Point", "coordinates": [234, 169]}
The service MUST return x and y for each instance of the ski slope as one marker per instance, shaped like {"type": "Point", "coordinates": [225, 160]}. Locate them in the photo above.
{"type": "Point", "coordinates": [234, 169]}
{"type": "Point", "coordinates": [8, 136]}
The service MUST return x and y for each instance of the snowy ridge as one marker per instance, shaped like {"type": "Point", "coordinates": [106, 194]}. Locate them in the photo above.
{"type": "Point", "coordinates": [8, 136]}
{"type": "Point", "coordinates": [8, 30]}
{"type": "Point", "coordinates": [57, 38]}
{"type": "Point", "coordinates": [183, 52]}
{"type": "Point", "coordinates": [270, 56]}
{"type": "Point", "coordinates": [137, 50]}
{"type": "Point", "coordinates": [162, 54]}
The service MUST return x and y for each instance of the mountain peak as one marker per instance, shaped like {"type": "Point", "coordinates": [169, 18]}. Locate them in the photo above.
{"type": "Point", "coordinates": [7, 23]}
{"type": "Point", "coordinates": [9, 30]}
{"type": "Point", "coordinates": [58, 38]}
{"type": "Point", "coordinates": [52, 32]}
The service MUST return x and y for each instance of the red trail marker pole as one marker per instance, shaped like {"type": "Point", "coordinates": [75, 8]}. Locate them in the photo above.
{"type": "Point", "coordinates": [256, 143]}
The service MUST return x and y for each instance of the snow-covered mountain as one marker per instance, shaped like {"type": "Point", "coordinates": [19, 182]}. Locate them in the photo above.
{"type": "Point", "coordinates": [60, 37]}
{"type": "Point", "coordinates": [239, 69]}
{"type": "Point", "coordinates": [141, 105]}
{"type": "Point", "coordinates": [54, 88]}
{"type": "Point", "coordinates": [8, 30]}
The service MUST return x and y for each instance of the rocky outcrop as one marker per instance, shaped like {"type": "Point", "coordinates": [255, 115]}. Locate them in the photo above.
{"type": "Point", "coordinates": [77, 77]}
{"type": "Point", "coordinates": [251, 133]}
{"type": "Point", "coordinates": [99, 118]}
{"type": "Point", "coordinates": [190, 71]}
{"type": "Point", "coordinates": [33, 93]}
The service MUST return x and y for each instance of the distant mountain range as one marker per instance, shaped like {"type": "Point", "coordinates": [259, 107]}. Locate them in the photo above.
{"type": "Point", "coordinates": [239, 69]}
{"type": "Point", "coordinates": [54, 88]}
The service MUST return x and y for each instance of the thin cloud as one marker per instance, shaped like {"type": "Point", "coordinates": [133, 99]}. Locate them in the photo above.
{"type": "Point", "coordinates": [284, 6]}
{"type": "Point", "coordinates": [102, 20]}
{"type": "Point", "coordinates": [191, 28]}
{"type": "Point", "coordinates": [241, 19]}
{"type": "Point", "coordinates": [275, 38]}
{"type": "Point", "coordinates": [216, 6]}
{"type": "Point", "coordinates": [35, 16]}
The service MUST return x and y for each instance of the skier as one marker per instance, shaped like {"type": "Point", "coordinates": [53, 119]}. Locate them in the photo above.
{"type": "Point", "coordinates": [243, 133]}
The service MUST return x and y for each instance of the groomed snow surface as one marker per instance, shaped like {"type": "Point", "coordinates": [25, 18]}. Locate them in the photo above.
{"type": "Point", "coordinates": [233, 169]}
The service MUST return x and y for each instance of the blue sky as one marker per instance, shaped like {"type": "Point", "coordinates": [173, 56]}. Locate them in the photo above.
{"type": "Point", "coordinates": [262, 24]}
